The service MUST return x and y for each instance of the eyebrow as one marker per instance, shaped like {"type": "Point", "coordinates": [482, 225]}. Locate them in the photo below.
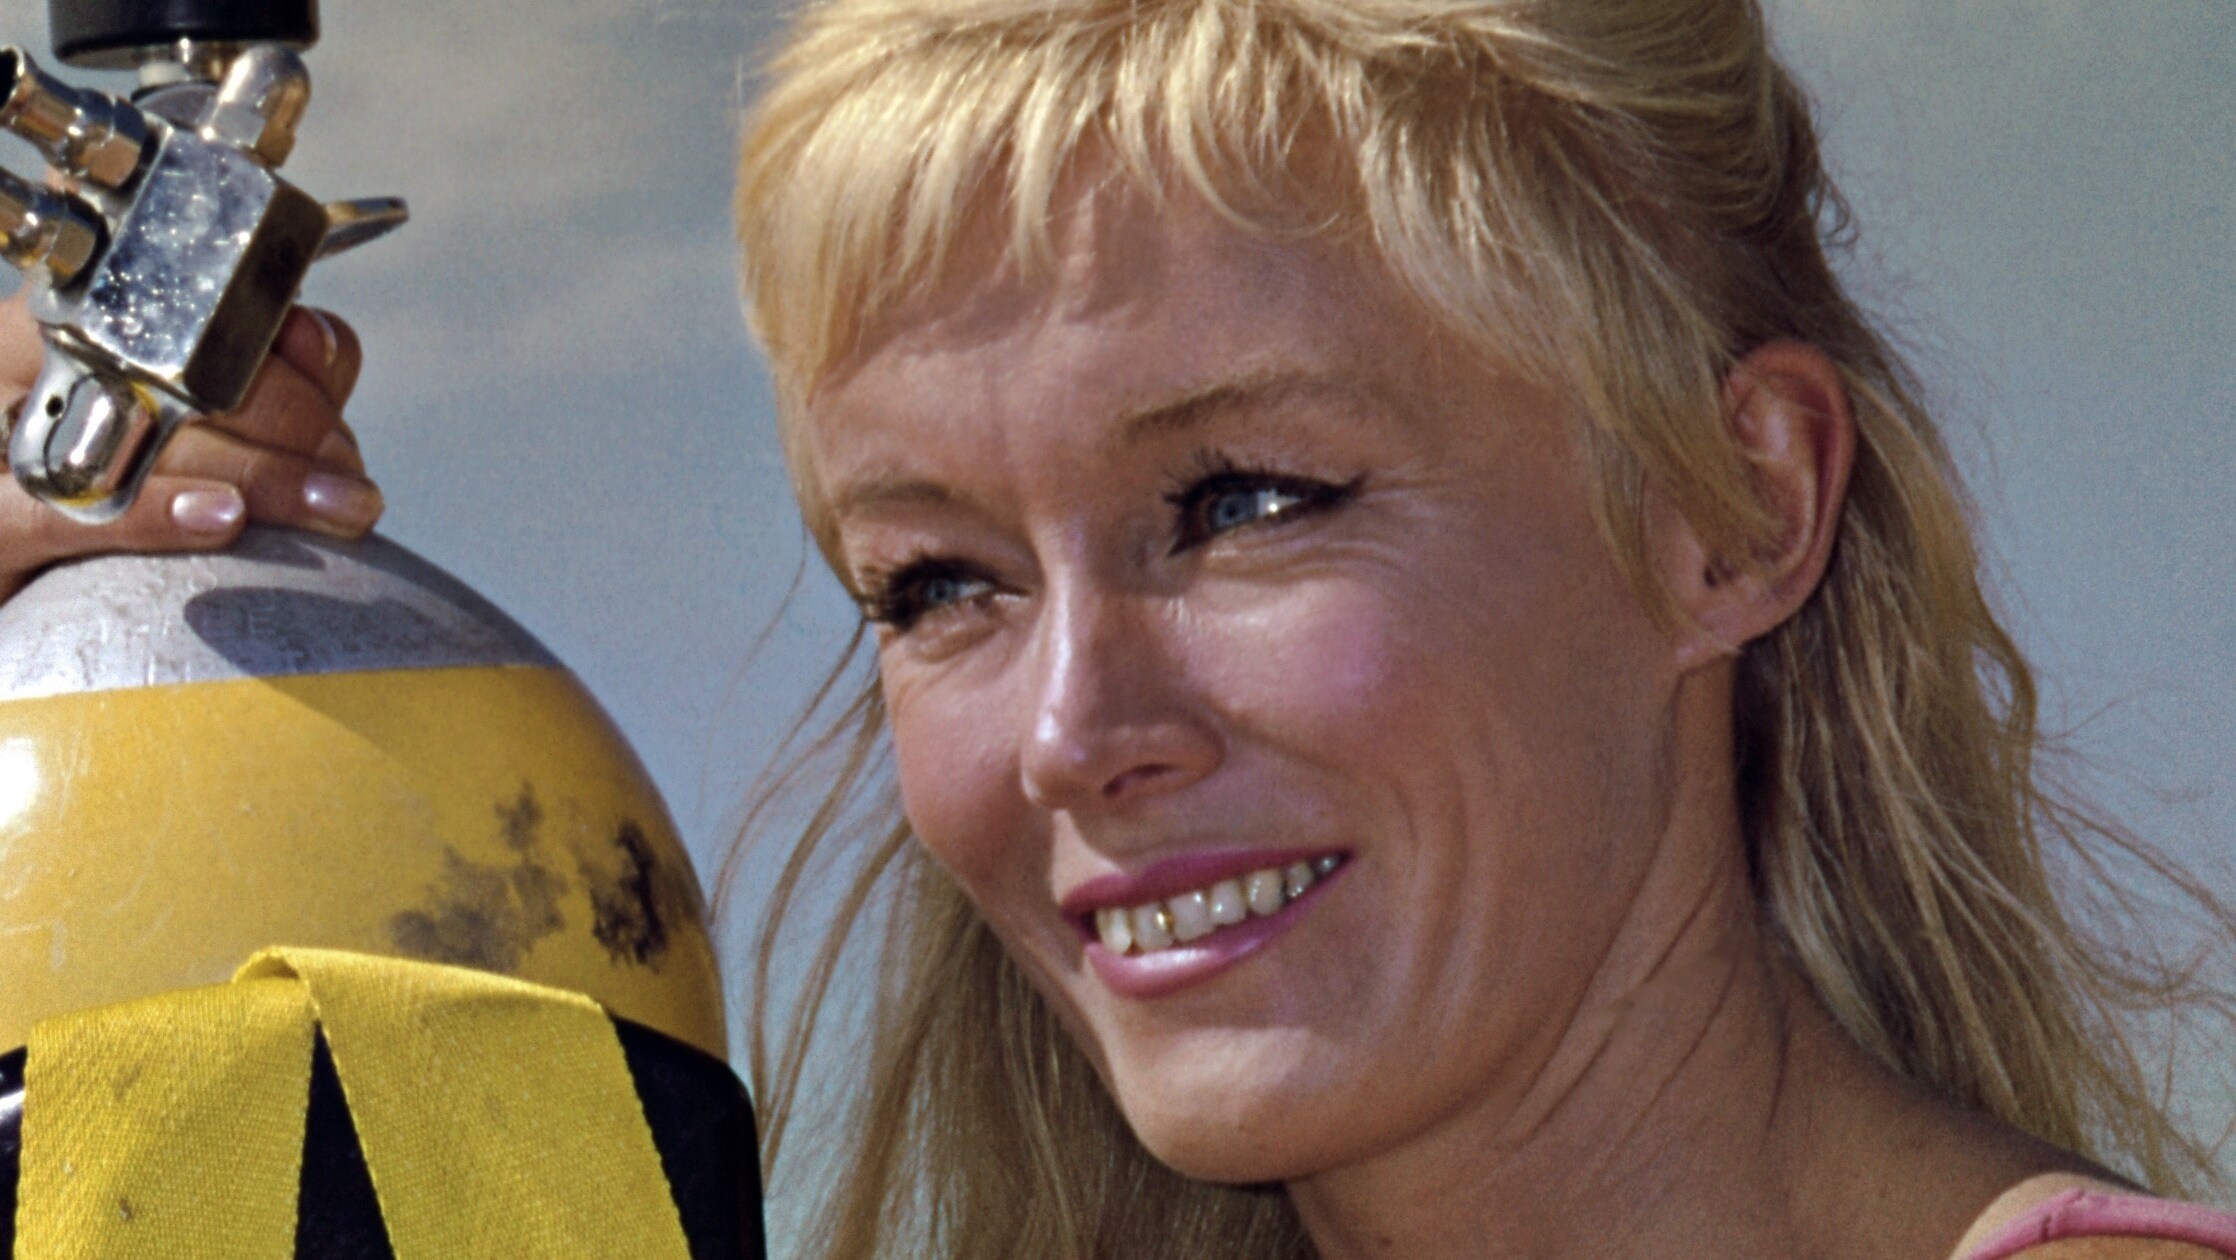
{"type": "Point", "coordinates": [880, 489]}
{"type": "Point", "coordinates": [1188, 410]}
{"type": "Point", "coordinates": [1254, 391]}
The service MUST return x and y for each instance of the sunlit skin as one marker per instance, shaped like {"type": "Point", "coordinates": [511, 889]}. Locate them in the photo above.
{"type": "Point", "coordinates": [1202, 542]}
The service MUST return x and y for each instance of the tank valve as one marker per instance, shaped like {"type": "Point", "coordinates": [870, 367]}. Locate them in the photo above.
{"type": "Point", "coordinates": [163, 252]}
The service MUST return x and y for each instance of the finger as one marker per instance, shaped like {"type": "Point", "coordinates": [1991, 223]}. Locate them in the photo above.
{"type": "Point", "coordinates": [281, 487]}
{"type": "Point", "coordinates": [336, 452]}
{"type": "Point", "coordinates": [284, 408]}
{"type": "Point", "coordinates": [339, 452]}
{"type": "Point", "coordinates": [171, 514]}
{"type": "Point", "coordinates": [21, 351]}
{"type": "Point", "coordinates": [322, 346]}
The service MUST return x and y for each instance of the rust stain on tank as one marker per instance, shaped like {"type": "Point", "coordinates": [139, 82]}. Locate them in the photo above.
{"type": "Point", "coordinates": [635, 899]}
{"type": "Point", "coordinates": [488, 914]}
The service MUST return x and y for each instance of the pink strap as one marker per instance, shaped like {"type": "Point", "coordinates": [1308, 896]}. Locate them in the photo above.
{"type": "Point", "coordinates": [2091, 1214]}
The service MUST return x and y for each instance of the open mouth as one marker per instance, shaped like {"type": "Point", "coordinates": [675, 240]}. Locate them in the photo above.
{"type": "Point", "coordinates": [1188, 917]}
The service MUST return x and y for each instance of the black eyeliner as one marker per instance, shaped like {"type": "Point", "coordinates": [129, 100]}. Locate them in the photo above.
{"type": "Point", "coordinates": [889, 596]}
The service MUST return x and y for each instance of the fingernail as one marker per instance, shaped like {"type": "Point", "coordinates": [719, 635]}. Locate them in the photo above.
{"type": "Point", "coordinates": [344, 501]}
{"type": "Point", "coordinates": [212, 511]}
{"type": "Point", "coordinates": [326, 333]}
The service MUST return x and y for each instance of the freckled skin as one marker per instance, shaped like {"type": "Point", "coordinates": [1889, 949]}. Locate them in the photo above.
{"type": "Point", "coordinates": [1536, 1006]}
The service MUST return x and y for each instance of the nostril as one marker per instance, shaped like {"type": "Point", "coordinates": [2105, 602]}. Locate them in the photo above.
{"type": "Point", "coordinates": [1137, 777]}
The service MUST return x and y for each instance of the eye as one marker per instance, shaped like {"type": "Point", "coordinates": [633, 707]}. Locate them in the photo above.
{"type": "Point", "coordinates": [1228, 498]}
{"type": "Point", "coordinates": [919, 589]}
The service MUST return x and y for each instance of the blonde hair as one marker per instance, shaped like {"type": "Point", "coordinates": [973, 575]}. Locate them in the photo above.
{"type": "Point", "coordinates": [1620, 197]}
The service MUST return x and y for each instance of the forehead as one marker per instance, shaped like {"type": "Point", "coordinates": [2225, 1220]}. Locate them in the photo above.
{"type": "Point", "coordinates": [1138, 305]}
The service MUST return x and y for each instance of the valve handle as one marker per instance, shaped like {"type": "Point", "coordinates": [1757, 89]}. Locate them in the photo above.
{"type": "Point", "coordinates": [356, 222]}
{"type": "Point", "coordinates": [119, 34]}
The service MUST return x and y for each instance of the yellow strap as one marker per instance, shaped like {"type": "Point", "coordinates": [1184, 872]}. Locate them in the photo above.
{"type": "Point", "coordinates": [497, 1117]}
{"type": "Point", "coordinates": [166, 1130]}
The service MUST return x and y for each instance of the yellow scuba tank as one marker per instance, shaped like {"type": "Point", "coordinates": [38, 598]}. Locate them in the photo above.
{"type": "Point", "coordinates": [336, 920]}
{"type": "Point", "coordinates": [311, 742]}
{"type": "Point", "coordinates": [300, 742]}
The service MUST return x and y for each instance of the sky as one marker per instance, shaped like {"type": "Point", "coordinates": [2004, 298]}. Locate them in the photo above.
{"type": "Point", "coordinates": [562, 406]}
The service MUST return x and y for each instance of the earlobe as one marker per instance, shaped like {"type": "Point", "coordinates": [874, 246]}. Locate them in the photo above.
{"type": "Point", "coordinates": [1786, 406]}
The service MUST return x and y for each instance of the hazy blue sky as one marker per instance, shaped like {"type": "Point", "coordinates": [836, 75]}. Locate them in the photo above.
{"type": "Point", "coordinates": [561, 405]}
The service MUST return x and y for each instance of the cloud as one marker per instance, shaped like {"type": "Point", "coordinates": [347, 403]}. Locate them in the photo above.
{"type": "Point", "coordinates": [567, 166]}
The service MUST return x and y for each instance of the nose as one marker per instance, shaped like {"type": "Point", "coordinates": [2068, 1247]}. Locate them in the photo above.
{"type": "Point", "coordinates": [1113, 715]}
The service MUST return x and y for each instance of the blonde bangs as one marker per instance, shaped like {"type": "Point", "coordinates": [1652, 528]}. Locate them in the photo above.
{"type": "Point", "coordinates": [1449, 134]}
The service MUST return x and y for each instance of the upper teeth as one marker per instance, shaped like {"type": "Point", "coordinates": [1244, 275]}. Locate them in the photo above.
{"type": "Point", "coordinates": [1156, 925]}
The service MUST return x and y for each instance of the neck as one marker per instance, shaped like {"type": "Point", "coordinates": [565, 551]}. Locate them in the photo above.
{"type": "Point", "coordinates": [1659, 1111]}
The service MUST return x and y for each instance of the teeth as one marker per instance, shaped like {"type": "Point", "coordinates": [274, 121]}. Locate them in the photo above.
{"type": "Point", "coordinates": [1265, 892]}
{"type": "Point", "coordinates": [1152, 926]}
{"type": "Point", "coordinates": [1116, 928]}
{"type": "Point", "coordinates": [1192, 915]}
{"type": "Point", "coordinates": [1227, 906]}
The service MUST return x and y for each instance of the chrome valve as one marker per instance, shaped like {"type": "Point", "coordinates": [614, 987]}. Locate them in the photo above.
{"type": "Point", "coordinates": [163, 257]}
{"type": "Point", "coordinates": [42, 229]}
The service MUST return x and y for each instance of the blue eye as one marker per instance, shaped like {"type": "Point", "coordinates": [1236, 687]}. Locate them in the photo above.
{"type": "Point", "coordinates": [1228, 509]}
{"type": "Point", "coordinates": [1232, 499]}
{"type": "Point", "coordinates": [920, 589]}
{"type": "Point", "coordinates": [941, 589]}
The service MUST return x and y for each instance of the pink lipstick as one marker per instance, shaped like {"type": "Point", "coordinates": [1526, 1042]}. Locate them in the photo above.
{"type": "Point", "coordinates": [1183, 920]}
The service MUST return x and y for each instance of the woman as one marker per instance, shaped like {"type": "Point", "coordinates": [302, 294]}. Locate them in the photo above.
{"type": "Point", "coordinates": [1435, 669]}
{"type": "Point", "coordinates": [1436, 674]}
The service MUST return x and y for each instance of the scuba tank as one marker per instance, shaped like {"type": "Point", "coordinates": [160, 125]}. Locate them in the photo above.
{"type": "Point", "coordinates": [332, 747]}
{"type": "Point", "coordinates": [314, 742]}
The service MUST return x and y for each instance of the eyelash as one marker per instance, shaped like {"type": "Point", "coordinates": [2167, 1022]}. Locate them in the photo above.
{"type": "Point", "coordinates": [895, 597]}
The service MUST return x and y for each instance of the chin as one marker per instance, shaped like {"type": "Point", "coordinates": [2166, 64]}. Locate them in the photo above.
{"type": "Point", "coordinates": [1210, 1152]}
{"type": "Point", "coordinates": [1236, 1118]}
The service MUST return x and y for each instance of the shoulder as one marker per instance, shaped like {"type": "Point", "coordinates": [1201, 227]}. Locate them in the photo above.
{"type": "Point", "coordinates": [2067, 1217]}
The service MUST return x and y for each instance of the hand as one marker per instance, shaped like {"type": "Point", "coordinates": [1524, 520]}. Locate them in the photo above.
{"type": "Point", "coordinates": [284, 457]}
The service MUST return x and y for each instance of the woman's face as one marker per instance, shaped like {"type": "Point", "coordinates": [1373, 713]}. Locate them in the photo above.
{"type": "Point", "coordinates": [1222, 596]}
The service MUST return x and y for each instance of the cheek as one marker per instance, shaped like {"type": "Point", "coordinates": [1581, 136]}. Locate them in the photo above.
{"type": "Point", "coordinates": [955, 753]}
{"type": "Point", "coordinates": [1408, 671]}
{"type": "Point", "coordinates": [1330, 669]}
{"type": "Point", "coordinates": [1477, 721]}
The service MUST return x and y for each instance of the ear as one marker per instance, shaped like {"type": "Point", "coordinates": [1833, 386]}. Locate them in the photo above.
{"type": "Point", "coordinates": [1787, 407]}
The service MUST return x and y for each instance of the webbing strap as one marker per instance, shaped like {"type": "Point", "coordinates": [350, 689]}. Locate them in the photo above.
{"type": "Point", "coordinates": [170, 1129]}
{"type": "Point", "coordinates": [498, 1118]}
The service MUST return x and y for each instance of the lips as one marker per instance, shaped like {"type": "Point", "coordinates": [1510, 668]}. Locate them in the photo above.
{"type": "Point", "coordinates": [1185, 919]}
